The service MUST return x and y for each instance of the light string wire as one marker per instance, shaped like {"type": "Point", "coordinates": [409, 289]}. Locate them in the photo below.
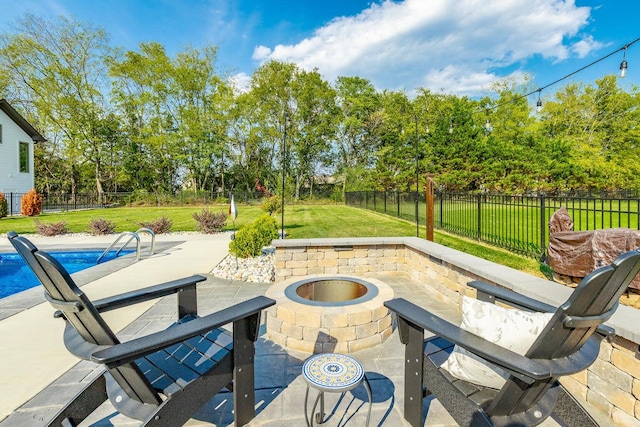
{"type": "Point", "coordinates": [541, 88]}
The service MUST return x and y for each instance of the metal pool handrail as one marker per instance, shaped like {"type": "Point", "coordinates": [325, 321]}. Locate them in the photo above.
{"type": "Point", "coordinates": [132, 235]}
{"type": "Point", "coordinates": [153, 238]}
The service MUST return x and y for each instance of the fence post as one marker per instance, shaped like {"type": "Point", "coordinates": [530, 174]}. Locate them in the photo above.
{"type": "Point", "coordinates": [385, 202]}
{"type": "Point", "coordinates": [417, 217]}
{"type": "Point", "coordinates": [479, 215]}
{"type": "Point", "coordinates": [441, 194]}
{"type": "Point", "coordinates": [543, 227]}
{"type": "Point", "coordinates": [429, 213]}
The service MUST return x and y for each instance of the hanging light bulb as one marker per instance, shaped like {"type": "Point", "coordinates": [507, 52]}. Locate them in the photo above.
{"type": "Point", "coordinates": [623, 64]}
{"type": "Point", "coordinates": [539, 103]}
{"type": "Point", "coordinates": [451, 126]}
{"type": "Point", "coordinates": [427, 130]}
{"type": "Point", "coordinates": [487, 125]}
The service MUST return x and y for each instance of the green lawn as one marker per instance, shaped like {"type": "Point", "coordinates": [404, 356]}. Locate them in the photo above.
{"type": "Point", "coordinates": [301, 221]}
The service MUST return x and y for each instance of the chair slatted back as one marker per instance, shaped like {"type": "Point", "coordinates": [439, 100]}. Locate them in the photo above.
{"type": "Point", "coordinates": [64, 295]}
{"type": "Point", "coordinates": [592, 303]}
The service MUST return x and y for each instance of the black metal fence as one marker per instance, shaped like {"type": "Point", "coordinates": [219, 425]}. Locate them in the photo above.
{"type": "Point", "coordinates": [68, 202]}
{"type": "Point", "coordinates": [516, 223]}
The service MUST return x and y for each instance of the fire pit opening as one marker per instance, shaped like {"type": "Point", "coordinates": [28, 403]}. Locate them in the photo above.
{"type": "Point", "coordinates": [331, 291]}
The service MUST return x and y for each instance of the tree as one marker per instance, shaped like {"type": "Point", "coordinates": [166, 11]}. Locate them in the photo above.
{"type": "Point", "coordinates": [317, 119]}
{"type": "Point", "coordinates": [176, 110]}
{"type": "Point", "coordinates": [600, 124]}
{"type": "Point", "coordinates": [251, 147]}
{"type": "Point", "coordinates": [55, 73]}
{"type": "Point", "coordinates": [356, 142]}
{"type": "Point", "coordinates": [393, 168]}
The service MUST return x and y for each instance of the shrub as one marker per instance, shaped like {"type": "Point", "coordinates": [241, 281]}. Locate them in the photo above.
{"type": "Point", "coordinates": [159, 225]}
{"type": "Point", "coordinates": [209, 222]}
{"type": "Point", "coordinates": [52, 228]}
{"type": "Point", "coordinates": [31, 203]}
{"type": "Point", "coordinates": [262, 189]}
{"type": "Point", "coordinates": [271, 204]}
{"type": "Point", "coordinates": [250, 239]}
{"type": "Point", "coordinates": [4, 206]}
{"type": "Point", "coordinates": [101, 226]}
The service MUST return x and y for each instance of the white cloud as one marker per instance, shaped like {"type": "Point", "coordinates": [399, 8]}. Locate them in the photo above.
{"type": "Point", "coordinates": [241, 82]}
{"type": "Point", "coordinates": [455, 45]}
{"type": "Point", "coordinates": [585, 46]}
{"type": "Point", "coordinates": [261, 53]}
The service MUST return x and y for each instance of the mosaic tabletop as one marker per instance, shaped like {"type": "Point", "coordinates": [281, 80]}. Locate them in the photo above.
{"type": "Point", "coordinates": [332, 372]}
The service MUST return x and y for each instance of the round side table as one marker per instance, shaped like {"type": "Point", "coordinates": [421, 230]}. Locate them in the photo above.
{"type": "Point", "coordinates": [334, 373]}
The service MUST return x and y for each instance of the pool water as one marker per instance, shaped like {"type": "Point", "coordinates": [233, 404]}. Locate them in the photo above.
{"type": "Point", "coordinates": [16, 276]}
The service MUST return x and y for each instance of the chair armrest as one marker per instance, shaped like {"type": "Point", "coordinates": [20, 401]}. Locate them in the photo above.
{"type": "Point", "coordinates": [146, 294]}
{"type": "Point", "coordinates": [511, 297]}
{"type": "Point", "coordinates": [128, 351]}
{"type": "Point", "coordinates": [520, 366]}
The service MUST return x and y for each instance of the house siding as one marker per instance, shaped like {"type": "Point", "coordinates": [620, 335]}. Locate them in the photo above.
{"type": "Point", "coordinates": [11, 180]}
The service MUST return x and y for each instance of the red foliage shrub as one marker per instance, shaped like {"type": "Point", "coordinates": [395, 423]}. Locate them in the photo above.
{"type": "Point", "coordinates": [51, 229]}
{"type": "Point", "coordinates": [262, 189]}
{"type": "Point", "coordinates": [31, 203]}
{"type": "Point", "coordinates": [4, 207]}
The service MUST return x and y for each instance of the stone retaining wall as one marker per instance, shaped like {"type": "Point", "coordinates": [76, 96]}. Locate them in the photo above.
{"type": "Point", "coordinates": [611, 384]}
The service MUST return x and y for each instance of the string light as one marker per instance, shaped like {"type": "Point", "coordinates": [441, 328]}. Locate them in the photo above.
{"type": "Point", "coordinates": [623, 64]}
{"type": "Point", "coordinates": [539, 103]}
{"type": "Point", "coordinates": [623, 73]}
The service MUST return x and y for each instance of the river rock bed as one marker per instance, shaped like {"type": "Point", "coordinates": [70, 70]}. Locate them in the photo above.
{"type": "Point", "coordinates": [260, 269]}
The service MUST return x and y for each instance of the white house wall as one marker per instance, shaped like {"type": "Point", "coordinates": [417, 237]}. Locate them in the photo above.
{"type": "Point", "coordinates": [11, 180]}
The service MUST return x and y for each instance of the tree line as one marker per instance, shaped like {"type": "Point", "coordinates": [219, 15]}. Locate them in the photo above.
{"type": "Point", "coordinates": [143, 120]}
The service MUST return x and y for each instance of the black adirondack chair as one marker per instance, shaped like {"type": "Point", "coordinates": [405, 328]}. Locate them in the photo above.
{"type": "Point", "coordinates": [161, 378]}
{"type": "Point", "coordinates": [570, 343]}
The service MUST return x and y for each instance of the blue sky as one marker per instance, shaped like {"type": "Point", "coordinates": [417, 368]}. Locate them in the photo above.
{"type": "Point", "coordinates": [450, 46]}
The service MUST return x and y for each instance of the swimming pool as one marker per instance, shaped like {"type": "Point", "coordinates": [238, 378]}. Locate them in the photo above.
{"type": "Point", "coordinates": [16, 276]}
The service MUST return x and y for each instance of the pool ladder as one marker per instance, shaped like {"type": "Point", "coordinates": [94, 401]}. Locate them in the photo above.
{"type": "Point", "coordinates": [132, 235]}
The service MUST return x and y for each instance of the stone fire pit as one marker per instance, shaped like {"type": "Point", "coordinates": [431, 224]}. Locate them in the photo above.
{"type": "Point", "coordinates": [319, 314]}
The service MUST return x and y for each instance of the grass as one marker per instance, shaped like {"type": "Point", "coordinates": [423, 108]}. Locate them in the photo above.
{"type": "Point", "coordinates": [301, 221]}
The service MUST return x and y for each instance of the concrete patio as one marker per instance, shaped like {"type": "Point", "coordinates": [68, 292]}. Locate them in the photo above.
{"type": "Point", "coordinates": [280, 388]}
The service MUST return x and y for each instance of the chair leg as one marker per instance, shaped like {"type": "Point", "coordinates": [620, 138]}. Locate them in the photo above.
{"type": "Point", "coordinates": [243, 372]}
{"type": "Point", "coordinates": [83, 404]}
{"type": "Point", "coordinates": [413, 338]}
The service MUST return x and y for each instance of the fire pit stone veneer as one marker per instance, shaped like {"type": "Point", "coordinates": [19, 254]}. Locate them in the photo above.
{"type": "Point", "coordinates": [320, 314]}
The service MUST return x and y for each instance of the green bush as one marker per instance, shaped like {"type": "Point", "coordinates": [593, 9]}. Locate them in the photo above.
{"type": "Point", "coordinates": [4, 206]}
{"type": "Point", "coordinates": [250, 239]}
{"type": "Point", "coordinates": [271, 204]}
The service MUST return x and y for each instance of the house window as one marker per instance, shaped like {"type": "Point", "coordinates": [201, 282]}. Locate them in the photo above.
{"type": "Point", "coordinates": [24, 157]}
